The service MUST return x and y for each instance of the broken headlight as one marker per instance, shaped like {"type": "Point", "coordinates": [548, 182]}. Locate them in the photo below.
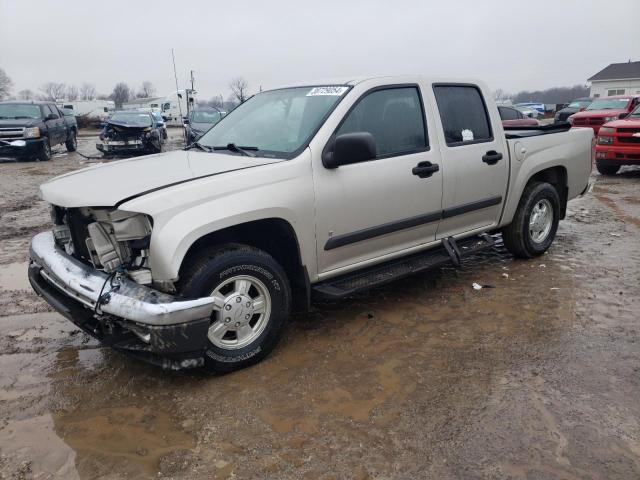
{"type": "Point", "coordinates": [120, 239]}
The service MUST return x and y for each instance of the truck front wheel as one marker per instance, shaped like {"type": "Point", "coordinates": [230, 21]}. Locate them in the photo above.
{"type": "Point", "coordinates": [535, 223]}
{"type": "Point", "coordinates": [72, 142]}
{"type": "Point", "coordinates": [607, 169]}
{"type": "Point", "coordinates": [45, 150]}
{"type": "Point", "coordinates": [253, 300]}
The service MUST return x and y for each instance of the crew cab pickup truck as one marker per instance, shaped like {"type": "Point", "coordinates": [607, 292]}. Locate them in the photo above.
{"type": "Point", "coordinates": [603, 110]}
{"type": "Point", "coordinates": [28, 130]}
{"type": "Point", "coordinates": [618, 144]}
{"type": "Point", "coordinates": [195, 258]}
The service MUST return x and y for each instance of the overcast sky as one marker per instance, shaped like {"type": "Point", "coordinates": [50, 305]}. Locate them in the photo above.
{"type": "Point", "coordinates": [513, 45]}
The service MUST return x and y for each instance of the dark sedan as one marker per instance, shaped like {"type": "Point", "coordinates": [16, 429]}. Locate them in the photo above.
{"type": "Point", "coordinates": [200, 120]}
{"type": "Point", "coordinates": [577, 105]}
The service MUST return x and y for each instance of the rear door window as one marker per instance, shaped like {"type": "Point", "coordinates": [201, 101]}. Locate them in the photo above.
{"type": "Point", "coordinates": [394, 117]}
{"type": "Point", "coordinates": [463, 113]}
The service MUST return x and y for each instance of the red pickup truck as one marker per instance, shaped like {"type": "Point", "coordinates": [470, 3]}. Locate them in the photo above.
{"type": "Point", "coordinates": [603, 110]}
{"type": "Point", "coordinates": [618, 144]}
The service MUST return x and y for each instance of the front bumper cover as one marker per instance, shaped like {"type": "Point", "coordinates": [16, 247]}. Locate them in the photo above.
{"type": "Point", "coordinates": [154, 326]}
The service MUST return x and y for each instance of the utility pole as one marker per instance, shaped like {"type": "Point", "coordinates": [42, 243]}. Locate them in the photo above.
{"type": "Point", "coordinates": [175, 74]}
{"type": "Point", "coordinates": [190, 94]}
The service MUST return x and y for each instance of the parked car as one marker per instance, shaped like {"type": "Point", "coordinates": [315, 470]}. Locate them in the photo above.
{"type": "Point", "coordinates": [199, 121]}
{"type": "Point", "coordinates": [28, 130]}
{"type": "Point", "coordinates": [618, 144]}
{"type": "Point", "coordinates": [577, 105]}
{"type": "Point", "coordinates": [513, 117]}
{"type": "Point", "coordinates": [161, 123]}
{"type": "Point", "coordinates": [128, 132]}
{"type": "Point", "coordinates": [604, 110]}
{"type": "Point", "coordinates": [195, 258]}
{"type": "Point", "coordinates": [528, 112]}
{"type": "Point", "coordinates": [537, 106]}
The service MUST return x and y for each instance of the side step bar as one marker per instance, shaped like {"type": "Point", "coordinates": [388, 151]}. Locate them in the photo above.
{"type": "Point", "coordinates": [451, 251]}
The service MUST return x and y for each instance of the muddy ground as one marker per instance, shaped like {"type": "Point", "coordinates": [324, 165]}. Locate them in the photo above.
{"type": "Point", "coordinates": [536, 376]}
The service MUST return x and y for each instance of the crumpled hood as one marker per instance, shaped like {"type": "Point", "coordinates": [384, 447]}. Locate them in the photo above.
{"type": "Point", "coordinates": [108, 184]}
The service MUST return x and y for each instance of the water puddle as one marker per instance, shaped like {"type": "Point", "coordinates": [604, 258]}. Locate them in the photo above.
{"type": "Point", "coordinates": [13, 276]}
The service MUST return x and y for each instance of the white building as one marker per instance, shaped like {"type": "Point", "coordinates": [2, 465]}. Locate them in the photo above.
{"type": "Point", "coordinates": [616, 79]}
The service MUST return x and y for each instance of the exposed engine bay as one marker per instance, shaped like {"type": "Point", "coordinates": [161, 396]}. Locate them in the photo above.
{"type": "Point", "coordinates": [118, 138]}
{"type": "Point", "coordinates": [110, 240]}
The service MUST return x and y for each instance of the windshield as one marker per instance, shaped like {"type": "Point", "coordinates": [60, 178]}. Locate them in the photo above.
{"type": "Point", "coordinates": [278, 122]}
{"type": "Point", "coordinates": [609, 104]}
{"type": "Point", "coordinates": [205, 117]}
{"type": "Point", "coordinates": [577, 104]}
{"type": "Point", "coordinates": [131, 119]}
{"type": "Point", "coordinates": [15, 111]}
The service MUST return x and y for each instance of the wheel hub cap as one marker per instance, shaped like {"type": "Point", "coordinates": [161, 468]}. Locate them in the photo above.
{"type": "Point", "coordinates": [243, 308]}
{"type": "Point", "coordinates": [541, 221]}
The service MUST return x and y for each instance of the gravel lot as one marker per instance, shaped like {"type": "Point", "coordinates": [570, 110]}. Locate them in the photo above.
{"type": "Point", "coordinates": [537, 377]}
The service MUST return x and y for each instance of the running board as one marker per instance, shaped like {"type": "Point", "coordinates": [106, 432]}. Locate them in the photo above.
{"type": "Point", "coordinates": [451, 251]}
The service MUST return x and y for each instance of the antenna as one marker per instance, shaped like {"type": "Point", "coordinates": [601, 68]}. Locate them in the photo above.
{"type": "Point", "coordinates": [175, 74]}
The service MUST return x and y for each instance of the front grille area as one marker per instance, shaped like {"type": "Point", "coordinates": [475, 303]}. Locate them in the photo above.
{"type": "Point", "coordinates": [629, 139]}
{"type": "Point", "coordinates": [596, 121]}
{"type": "Point", "coordinates": [629, 130]}
{"type": "Point", "coordinates": [78, 227]}
{"type": "Point", "coordinates": [11, 133]}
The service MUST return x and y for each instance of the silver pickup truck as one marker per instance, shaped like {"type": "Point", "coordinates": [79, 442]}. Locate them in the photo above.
{"type": "Point", "coordinates": [195, 258]}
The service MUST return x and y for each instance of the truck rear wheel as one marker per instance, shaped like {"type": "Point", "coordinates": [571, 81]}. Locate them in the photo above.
{"type": "Point", "coordinates": [72, 142]}
{"type": "Point", "coordinates": [253, 304]}
{"type": "Point", "coordinates": [535, 223]}
{"type": "Point", "coordinates": [607, 169]}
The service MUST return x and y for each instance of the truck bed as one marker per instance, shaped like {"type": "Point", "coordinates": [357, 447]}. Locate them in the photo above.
{"type": "Point", "coordinates": [536, 130]}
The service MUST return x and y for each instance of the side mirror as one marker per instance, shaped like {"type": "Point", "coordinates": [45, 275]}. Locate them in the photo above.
{"type": "Point", "coordinates": [623, 115]}
{"type": "Point", "coordinates": [185, 121]}
{"type": "Point", "coordinates": [582, 109]}
{"type": "Point", "coordinates": [350, 148]}
{"type": "Point", "coordinates": [51, 116]}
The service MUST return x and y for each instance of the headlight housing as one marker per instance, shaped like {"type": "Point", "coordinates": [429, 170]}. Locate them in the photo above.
{"type": "Point", "coordinates": [610, 119]}
{"type": "Point", "coordinates": [605, 140]}
{"type": "Point", "coordinates": [32, 132]}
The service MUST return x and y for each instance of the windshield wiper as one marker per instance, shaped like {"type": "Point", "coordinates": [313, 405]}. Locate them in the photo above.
{"type": "Point", "coordinates": [199, 146]}
{"type": "Point", "coordinates": [232, 147]}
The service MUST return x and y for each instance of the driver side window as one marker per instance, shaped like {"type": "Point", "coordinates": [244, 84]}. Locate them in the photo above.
{"type": "Point", "coordinates": [395, 119]}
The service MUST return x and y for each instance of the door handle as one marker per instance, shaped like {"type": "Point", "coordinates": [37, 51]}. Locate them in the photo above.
{"type": "Point", "coordinates": [425, 169]}
{"type": "Point", "coordinates": [491, 157]}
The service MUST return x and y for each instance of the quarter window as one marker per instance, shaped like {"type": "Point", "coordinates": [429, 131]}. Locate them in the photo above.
{"type": "Point", "coordinates": [463, 113]}
{"type": "Point", "coordinates": [395, 119]}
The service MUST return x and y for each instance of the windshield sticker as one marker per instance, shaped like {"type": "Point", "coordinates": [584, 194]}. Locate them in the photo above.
{"type": "Point", "coordinates": [332, 91]}
{"type": "Point", "coordinates": [467, 135]}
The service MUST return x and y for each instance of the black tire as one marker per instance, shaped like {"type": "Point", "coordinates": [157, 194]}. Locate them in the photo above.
{"type": "Point", "coordinates": [72, 142]}
{"type": "Point", "coordinates": [45, 151]}
{"type": "Point", "coordinates": [219, 265]}
{"type": "Point", "coordinates": [607, 169]}
{"type": "Point", "coordinates": [517, 236]}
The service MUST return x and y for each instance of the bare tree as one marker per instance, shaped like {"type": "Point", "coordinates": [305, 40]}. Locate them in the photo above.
{"type": "Point", "coordinates": [87, 91]}
{"type": "Point", "coordinates": [147, 90]}
{"type": "Point", "coordinates": [26, 94]}
{"type": "Point", "coordinates": [239, 88]}
{"type": "Point", "coordinates": [216, 102]}
{"type": "Point", "coordinates": [52, 91]}
{"type": "Point", "coordinates": [5, 84]}
{"type": "Point", "coordinates": [121, 94]}
{"type": "Point", "coordinates": [72, 93]}
{"type": "Point", "coordinates": [500, 94]}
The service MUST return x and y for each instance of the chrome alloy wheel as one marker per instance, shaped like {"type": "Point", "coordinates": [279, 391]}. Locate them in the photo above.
{"type": "Point", "coordinates": [243, 310]}
{"type": "Point", "coordinates": [541, 221]}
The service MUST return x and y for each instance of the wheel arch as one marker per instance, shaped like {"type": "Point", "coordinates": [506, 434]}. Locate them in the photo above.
{"type": "Point", "coordinates": [276, 237]}
{"type": "Point", "coordinates": [556, 176]}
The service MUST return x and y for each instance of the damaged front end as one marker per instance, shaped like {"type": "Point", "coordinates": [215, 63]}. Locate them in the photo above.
{"type": "Point", "coordinates": [93, 269]}
{"type": "Point", "coordinates": [118, 139]}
